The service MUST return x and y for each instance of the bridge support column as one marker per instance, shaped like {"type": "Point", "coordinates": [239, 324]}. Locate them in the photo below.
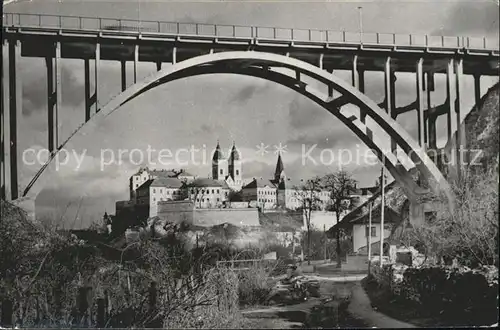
{"type": "Point", "coordinates": [458, 108]}
{"type": "Point", "coordinates": [11, 118]}
{"type": "Point", "coordinates": [5, 118]}
{"type": "Point", "coordinates": [390, 97]}
{"type": "Point", "coordinates": [355, 74]}
{"type": "Point", "coordinates": [88, 103]}
{"type": "Point", "coordinates": [450, 93]}
{"type": "Point", "coordinates": [58, 95]}
{"type": "Point", "coordinates": [51, 104]}
{"type": "Point", "coordinates": [174, 55]}
{"type": "Point", "coordinates": [358, 81]}
{"type": "Point", "coordinates": [136, 61]}
{"type": "Point", "coordinates": [123, 75]}
{"type": "Point", "coordinates": [158, 66]}
{"type": "Point", "coordinates": [431, 119]}
{"type": "Point", "coordinates": [420, 103]}
{"type": "Point", "coordinates": [97, 72]}
{"type": "Point", "coordinates": [477, 88]}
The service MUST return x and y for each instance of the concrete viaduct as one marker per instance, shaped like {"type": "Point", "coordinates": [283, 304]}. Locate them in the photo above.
{"type": "Point", "coordinates": [290, 57]}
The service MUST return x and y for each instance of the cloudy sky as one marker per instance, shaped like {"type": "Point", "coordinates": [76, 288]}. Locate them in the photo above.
{"type": "Point", "coordinates": [198, 111]}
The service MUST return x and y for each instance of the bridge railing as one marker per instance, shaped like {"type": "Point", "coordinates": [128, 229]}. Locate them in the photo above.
{"type": "Point", "coordinates": [239, 31]}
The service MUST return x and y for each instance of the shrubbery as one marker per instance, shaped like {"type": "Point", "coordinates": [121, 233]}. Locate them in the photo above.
{"type": "Point", "coordinates": [43, 271]}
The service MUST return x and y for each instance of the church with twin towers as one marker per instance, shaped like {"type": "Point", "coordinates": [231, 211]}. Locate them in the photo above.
{"type": "Point", "coordinates": [227, 169]}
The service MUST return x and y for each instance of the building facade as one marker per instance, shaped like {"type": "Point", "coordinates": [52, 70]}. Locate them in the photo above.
{"type": "Point", "coordinates": [227, 169]}
{"type": "Point", "coordinates": [208, 193]}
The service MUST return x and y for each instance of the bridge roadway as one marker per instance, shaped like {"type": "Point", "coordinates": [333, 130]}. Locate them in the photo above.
{"type": "Point", "coordinates": [57, 37]}
{"type": "Point", "coordinates": [166, 42]}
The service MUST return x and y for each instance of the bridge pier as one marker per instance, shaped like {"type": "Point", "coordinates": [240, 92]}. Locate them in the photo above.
{"type": "Point", "coordinates": [136, 61]}
{"type": "Point", "coordinates": [477, 88]}
{"type": "Point", "coordinates": [123, 74]}
{"type": "Point", "coordinates": [390, 95]}
{"type": "Point", "coordinates": [97, 72]}
{"type": "Point", "coordinates": [420, 103]}
{"type": "Point", "coordinates": [11, 113]}
{"type": "Point", "coordinates": [54, 96]}
{"type": "Point", "coordinates": [88, 103]}
{"type": "Point", "coordinates": [460, 143]}
{"type": "Point", "coordinates": [450, 98]}
{"type": "Point", "coordinates": [431, 118]}
{"type": "Point", "coordinates": [5, 122]}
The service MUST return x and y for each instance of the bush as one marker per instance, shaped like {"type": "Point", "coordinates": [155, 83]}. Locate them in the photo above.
{"type": "Point", "coordinates": [469, 234]}
{"type": "Point", "coordinates": [455, 295]}
{"type": "Point", "coordinates": [254, 285]}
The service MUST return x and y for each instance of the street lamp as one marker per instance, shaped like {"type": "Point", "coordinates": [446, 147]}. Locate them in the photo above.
{"type": "Point", "coordinates": [360, 11]}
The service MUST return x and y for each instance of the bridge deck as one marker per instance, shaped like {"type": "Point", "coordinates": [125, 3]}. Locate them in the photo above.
{"type": "Point", "coordinates": [156, 40]}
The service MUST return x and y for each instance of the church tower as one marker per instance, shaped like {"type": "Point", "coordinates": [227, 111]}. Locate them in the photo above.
{"type": "Point", "coordinates": [234, 167]}
{"type": "Point", "coordinates": [280, 170]}
{"type": "Point", "coordinates": [219, 168]}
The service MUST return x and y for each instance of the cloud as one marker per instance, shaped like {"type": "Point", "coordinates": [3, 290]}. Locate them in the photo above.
{"type": "Point", "coordinates": [471, 18]}
{"type": "Point", "coordinates": [34, 88]}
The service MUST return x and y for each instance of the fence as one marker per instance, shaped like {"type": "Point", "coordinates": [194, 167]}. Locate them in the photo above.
{"type": "Point", "coordinates": [240, 31]}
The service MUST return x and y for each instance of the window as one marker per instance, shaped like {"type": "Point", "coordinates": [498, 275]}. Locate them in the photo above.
{"type": "Point", "coordinates": [213, 191]}
{"type": "Point", "coordinates": [218, 191]}
{"type": "Point", "coordinates": [221, 171]}
{"type": "Point", "coordinates": [161, 190]}
{"type": "Point", "coordinates": [154, 199]}
{"type": "Point", "coordinates": [154, 191]}
{"type": "Point", "coordinates": [237, 172]}
{"type": "Point", "coordinates": [373, 231]}
{"type": "Point", "coordinates": [218, 200]}
{"type": "Point", "coordinates": [136, 185]}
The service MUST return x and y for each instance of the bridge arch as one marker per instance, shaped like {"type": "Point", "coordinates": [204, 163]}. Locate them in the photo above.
{"type": "Point", "coordinates": [262, 65]}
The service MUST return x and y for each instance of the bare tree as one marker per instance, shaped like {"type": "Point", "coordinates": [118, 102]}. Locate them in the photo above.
{"type": "Point", "coordinates": [470, 232]}
{"type": "Point", "coordinates": [308, 196]}
{"type": "Point", "coordinates": [340, 186]}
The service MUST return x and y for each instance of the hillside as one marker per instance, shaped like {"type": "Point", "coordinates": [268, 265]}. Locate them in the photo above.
{"type": "Point", "coordinates": [481, 128]}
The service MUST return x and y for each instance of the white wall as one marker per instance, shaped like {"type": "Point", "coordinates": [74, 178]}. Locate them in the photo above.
{"type": "Point", "coordinates": [359, 238]}
{"type": "Point", "coordinates": [324, 218]}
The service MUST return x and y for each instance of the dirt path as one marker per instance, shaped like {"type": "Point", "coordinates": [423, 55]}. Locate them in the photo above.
{"type": "Point", "coordinates": [328, 311]}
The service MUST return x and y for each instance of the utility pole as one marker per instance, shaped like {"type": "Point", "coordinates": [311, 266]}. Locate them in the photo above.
{"type": "Point", "coordinates": [360, 11]}
{"type": "Point", "coordinates": [324, 234]}
{"type": "Point", "coordinates": [369, 237]}
{"type": "Point", "coordinates": [382, 207]}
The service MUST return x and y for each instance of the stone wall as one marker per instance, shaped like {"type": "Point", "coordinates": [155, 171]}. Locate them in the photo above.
{"type": "Point", "coordinates": [238, 217]}
{"type": "Point", "coordinates": [184, 211]}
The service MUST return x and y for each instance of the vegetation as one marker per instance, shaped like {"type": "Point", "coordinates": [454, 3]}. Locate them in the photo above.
{"type": "Point", "coordinates": [307, 194]}
{"type": "Point", "coordinates": [43, 274]}
{"type": "Point", "coordinates": [340, 186]}
{"type": "Point", "coordinates": [469, 234]}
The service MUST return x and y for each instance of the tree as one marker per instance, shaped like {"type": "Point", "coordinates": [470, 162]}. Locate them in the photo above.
{"type": "Point", "coordinates": [340, 186]}
{"type": "Point", "coordinates": [469, 233]}
{"type": "Point", "coordinates": [308, 196]}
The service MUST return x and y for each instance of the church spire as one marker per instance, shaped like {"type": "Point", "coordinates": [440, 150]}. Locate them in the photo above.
{"type": "Point", "coordinates": [235, 154]}
{"type": "Point", "coordinates": [218, 153]}
{"type": "Point", "coordinates": [279, 168]}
